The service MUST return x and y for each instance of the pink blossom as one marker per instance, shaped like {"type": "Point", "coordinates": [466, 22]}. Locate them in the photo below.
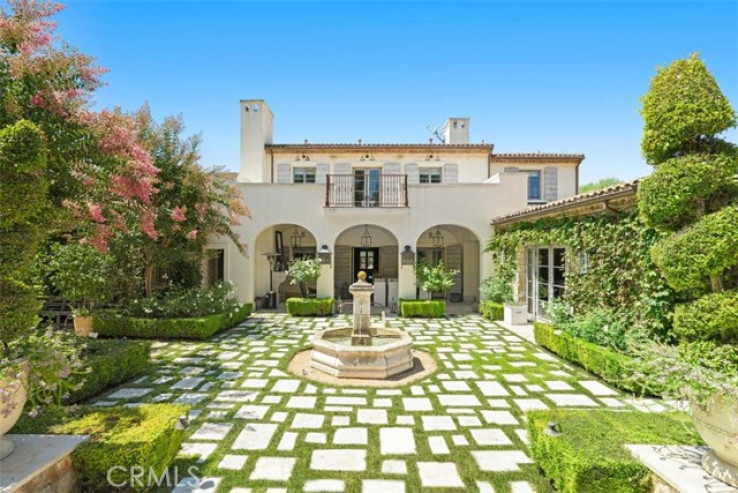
{"type": "Point", "coordinates": [147, 225]}
{"type": "Point", "coordinates": [37, 100]}
{"type": "Point", "coordinates": [178, 215]}
{"type": "Point", "coordinates": [95, 212]}
{"type": "Point", "coordinates": [192, 234]}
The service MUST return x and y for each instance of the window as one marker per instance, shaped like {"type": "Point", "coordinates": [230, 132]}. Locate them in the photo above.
{"type": "Point", "coordinates": [583, 262]}
{"type": "Point", "coordinates": [304, 175]}
{"type": "Point", "coordinates": [215, 266]}
{"type": "Point", "coordinates": [534, 185]}
{"type": "Point", "coordinates": [430, 175]}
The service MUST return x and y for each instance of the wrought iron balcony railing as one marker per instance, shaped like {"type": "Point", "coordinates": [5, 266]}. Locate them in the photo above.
{"type": "Point", "coordinates": [366, 189]}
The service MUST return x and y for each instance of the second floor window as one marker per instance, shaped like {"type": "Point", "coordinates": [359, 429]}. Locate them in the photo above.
{"type": "Point", "coordinates": [430, 175]}
{"type": "Point", "coordinates": [304, 175]}
{"type": "Point", "coordinates": [534, 185]}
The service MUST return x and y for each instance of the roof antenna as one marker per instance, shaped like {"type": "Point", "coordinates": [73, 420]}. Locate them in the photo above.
{"type": "Point", "coordinates": [436, 132]}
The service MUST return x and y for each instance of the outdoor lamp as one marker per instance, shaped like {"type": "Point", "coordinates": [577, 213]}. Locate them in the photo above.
{"type": "Point", "coordinates": [324, 255]}
{"type": "Point", "coordinates": [408, 256]}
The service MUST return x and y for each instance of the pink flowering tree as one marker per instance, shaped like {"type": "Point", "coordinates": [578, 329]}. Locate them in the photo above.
{"type": "Point", "coordinates": [99, 175]}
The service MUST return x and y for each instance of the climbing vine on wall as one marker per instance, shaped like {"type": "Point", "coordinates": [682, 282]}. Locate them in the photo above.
{"type": "Point", "coordinates": [620, 276]}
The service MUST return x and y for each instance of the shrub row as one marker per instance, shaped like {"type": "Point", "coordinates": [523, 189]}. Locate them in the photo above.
{"type": "Point", "coordinates": [422, 308]}
{"type": "Point", "coordinates": [615, 368]}
{"type": "Point", "coordinates": [109, 324]}
{"type": "Point", "coordinates": [713, 317]}
{"type": "Point", "coordinates": [121, 438]}
{"type": "Point", "coordinates": [307, 307]}
{"type": "Point", "coordinates": [589, 453]}
{"type": "Point", "coordinates": [111, 362]}
{"type": "Point", "coordinates": [491, 310]}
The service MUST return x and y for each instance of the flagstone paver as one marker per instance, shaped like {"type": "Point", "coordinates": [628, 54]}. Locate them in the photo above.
{"type": "Point", "coordinates": [256, 428]}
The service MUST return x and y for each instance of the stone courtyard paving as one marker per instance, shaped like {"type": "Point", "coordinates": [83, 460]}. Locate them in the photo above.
{"type": "Point", "coordinates": [256, 428]}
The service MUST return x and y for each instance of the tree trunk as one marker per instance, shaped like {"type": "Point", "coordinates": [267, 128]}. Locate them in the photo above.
{"type": "Point", "coordinates": [148, 280]}
{"type": "Point", "coordinates": [304, 290]}
{"type": "Point", "coordinates": [717, 284]}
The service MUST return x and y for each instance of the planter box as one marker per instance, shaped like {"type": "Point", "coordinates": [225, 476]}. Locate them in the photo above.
{"type": "Point", "coordinates": [515, 314]}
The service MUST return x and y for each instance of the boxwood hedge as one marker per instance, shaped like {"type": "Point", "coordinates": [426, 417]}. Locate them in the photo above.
{"type": "Point", "coordinates": [109, 324]}
{"type": "Point", "coordinates": [589, 454]}
{"type": "Point", "coordinates": [422, 308]}
{"type": "Point", "coordinates": [111, 362]}
{"type": "Point", "coordinates": [615, 368]}
{"type": "Point", "coordinates": [310, 307]}
{"type": "Point", "coordinates": [491, 310]}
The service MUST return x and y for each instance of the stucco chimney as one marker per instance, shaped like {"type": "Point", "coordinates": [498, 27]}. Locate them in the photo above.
{"type": "Point", "coordinates": [456, 131]}
{"type": "Point", "coordinates": [257, 128]}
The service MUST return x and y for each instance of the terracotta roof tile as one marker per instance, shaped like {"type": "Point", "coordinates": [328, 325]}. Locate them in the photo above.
{"type": "Point", "coordinates": [627, 188]}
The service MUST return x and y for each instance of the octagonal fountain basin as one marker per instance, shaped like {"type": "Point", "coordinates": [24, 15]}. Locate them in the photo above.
{"type": "Point", "coordinates": [390, 353]}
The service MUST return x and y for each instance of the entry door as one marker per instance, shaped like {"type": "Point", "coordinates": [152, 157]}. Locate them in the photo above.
{"type": "Point", "coordinates": [366, 187]}
{"type": "Point", "coordinates": [366, 259]}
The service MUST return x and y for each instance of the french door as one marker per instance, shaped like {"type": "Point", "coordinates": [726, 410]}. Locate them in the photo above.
{"type": "Point", "coordinates": [366, 187]}
{"type": "Point", "coordinates": [545, 278]}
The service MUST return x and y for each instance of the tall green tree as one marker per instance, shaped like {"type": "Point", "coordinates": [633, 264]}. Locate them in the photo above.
{"type": "Point", "coordinates": [693, 193]}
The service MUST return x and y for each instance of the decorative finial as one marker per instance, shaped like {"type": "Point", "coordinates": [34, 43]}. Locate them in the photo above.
{"type": "Point", "coordinates": [361, 275]}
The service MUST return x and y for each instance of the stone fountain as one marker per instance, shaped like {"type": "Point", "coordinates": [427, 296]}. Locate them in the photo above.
{"type": "Point", "coordinates": [363, 351]}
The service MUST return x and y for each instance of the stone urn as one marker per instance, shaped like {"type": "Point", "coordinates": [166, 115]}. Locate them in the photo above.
{"type": "Point", "coordinates": [717, 424]}
{"type": "Point", "coordinates": [82, 325]}
{"type": "Point", "coordinates": [13, 396]}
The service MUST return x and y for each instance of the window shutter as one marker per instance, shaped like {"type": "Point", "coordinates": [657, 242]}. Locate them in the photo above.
{"type": "Point", "coordinates": [321, 170]}
{"type": "Point", "coordinates": [411, 170]}
{"type": "Point", "coordinates": [451, 173]}
{"type": "Point", "coordinates": [284, 173]}
{"type": "Point", "coordinates": [550, 183]}
{"type": "Point", "coordinates": [343, 168]}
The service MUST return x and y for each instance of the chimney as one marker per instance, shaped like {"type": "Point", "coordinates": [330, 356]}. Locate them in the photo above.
{"type": "Point", "coordinates": [257, 128]}
{"type": "Point", "coordinates": [456, 131]}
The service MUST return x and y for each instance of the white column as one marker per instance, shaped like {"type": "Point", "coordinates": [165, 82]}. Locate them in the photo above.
{"type": "Point", "coordinates": [324, 285]}
{"type": "Point", "coordinates": [406, 280]}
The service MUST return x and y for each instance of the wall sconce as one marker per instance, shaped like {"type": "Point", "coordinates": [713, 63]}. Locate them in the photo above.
{"type": "Point", "coordinates": [408, 256]}
{"type": "Point", "coordinates": [324, 255]}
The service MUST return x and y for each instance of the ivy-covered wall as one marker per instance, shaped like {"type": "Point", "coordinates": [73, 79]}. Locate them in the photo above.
{"type": "Point", "coordinates": [621, 276]}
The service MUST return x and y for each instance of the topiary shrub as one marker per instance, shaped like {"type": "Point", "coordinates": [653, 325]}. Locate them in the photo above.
{"type": "Point", "coordinates": [712, 317]}
{"type": "Point", "coordinates": [491, 310]}
{"type": "Point", "coordinates": [310, 307]}
{"type": "Point", "coordinates": [110, 324]}
{"type": "Point", "coordinates": [692, 191]}
{"type": "Point", "coordinates": [589, 454]}
{"type": "Point", "coordinates": [422, 308]}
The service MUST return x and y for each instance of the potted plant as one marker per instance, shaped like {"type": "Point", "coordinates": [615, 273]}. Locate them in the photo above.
{"type": "Point", "coordinates": [304, 273]}
{"type": "Point", "coordinates": [81, 275]}
{"type": "Point", "coordinates": [692, 199]}
{"type": "Point", "coordinates": [434, 278]}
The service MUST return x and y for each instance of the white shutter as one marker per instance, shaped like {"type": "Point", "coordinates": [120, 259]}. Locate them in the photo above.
{"type": "Point", "coordinates": [550, 183]}
{"type": "Point", "coordinates": [284, 173]}
{"type": "Point", "coordinates": [451, 173]}
{"type": "Point", "coordinates": [321, 170]}
{"type": "Point", "coordinates": [411, 170]}
{"type": "Point", "coordinates": [342, 168]}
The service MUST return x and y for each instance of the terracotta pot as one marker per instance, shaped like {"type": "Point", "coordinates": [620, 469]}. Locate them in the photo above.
{"type": "Point", "coordinates": [717, 424]}
{"type": "Point", "coordinates": [11, 407]}
{"type": "Point", "coordinates": [83, 325]}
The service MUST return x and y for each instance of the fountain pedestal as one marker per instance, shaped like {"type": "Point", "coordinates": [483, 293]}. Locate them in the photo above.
{"type": "Point", "coordinates": [362, 292]}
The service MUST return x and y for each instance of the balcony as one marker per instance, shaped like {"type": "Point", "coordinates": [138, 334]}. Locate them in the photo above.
{"type": "Point", "coordinates": [366, 189]}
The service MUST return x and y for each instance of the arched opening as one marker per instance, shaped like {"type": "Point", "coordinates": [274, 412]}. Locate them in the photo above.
{"type": "Point", "coordinates": [459, 249]}
{"type": "Point", "coordinates": [374, 250]}
{"type": "Point", "coordinates": [275, 247]}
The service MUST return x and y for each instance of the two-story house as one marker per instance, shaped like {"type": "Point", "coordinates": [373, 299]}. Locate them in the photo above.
{"type": "Point", "coordinates": [377, 208]}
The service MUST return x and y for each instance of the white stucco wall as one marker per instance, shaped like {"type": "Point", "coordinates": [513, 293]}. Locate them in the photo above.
{"type": "Point", "coordinates": [470, 206]}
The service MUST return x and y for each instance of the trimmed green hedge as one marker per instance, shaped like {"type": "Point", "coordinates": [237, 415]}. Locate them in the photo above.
{"type": "Point", "coordinates": [112, 362]}
{"type": "Point", "coordinates": [108, 324]}
{"type": "Point", "coordinates": [589, 454]}
{"type": "Point", "coordinates": [713, 317]}
{"type": "Point", "coordinates": [142, 437]}
{"type": "Point", "coordinates": [309, 307]}
{"type": "Point", "coordinates": [492, 311]}
{"type": "Point", "coordinates": [422, 308]}
{"type": "Point", "coordinates": [611, 366]}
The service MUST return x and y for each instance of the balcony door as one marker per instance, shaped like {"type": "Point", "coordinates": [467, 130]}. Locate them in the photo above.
{"type": "Point", "coordinates": [366, 187]}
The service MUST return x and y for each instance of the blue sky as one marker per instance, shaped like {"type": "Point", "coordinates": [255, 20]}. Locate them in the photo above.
{"type": "Point", "coordinates": [548, 76]}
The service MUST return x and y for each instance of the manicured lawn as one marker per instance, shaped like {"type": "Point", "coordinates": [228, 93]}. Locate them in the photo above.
{"type": "Point", "coordinates": [462, 429]}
